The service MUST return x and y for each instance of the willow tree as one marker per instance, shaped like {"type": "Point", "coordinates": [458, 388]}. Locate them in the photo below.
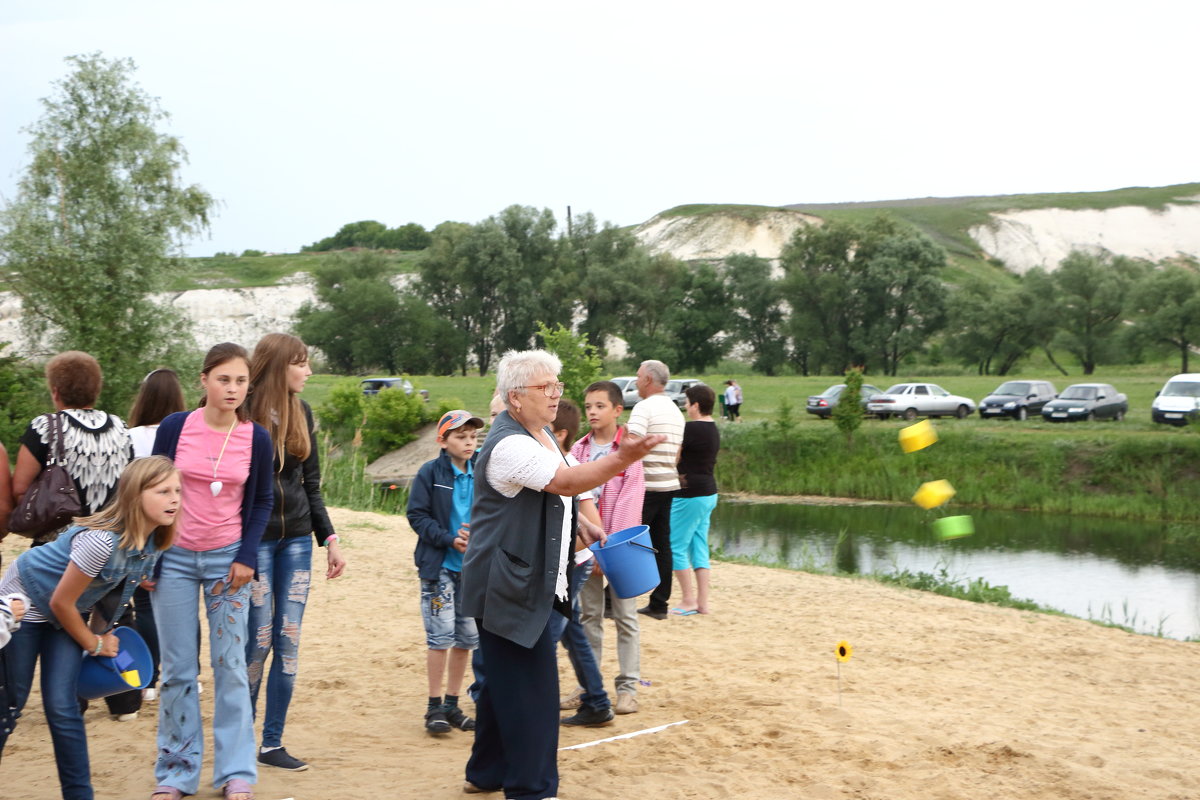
{"type": "Point", "coordinates": [97, 224]}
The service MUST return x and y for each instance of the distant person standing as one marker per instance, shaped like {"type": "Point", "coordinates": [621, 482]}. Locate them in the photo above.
{"type": "Point", "coordinates": [733, 400]}
{"type": "Point", "coordinates": [657, 414]}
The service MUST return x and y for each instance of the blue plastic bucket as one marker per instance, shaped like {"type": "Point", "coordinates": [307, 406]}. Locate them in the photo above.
{"type": "Point", "coordinates": [131, 668]}
{"type": "Point", "coordinates": [628, 560]}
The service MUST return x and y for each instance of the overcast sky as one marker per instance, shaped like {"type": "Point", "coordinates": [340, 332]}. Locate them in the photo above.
{"type": "Point", "coordinates": [302, 116]}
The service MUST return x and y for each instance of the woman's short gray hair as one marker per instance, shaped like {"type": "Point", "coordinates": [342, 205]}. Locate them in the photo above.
{"type": "Point", "coordinates": [657, 372]}
{"type": "Point", "coordinates": [518, 368]}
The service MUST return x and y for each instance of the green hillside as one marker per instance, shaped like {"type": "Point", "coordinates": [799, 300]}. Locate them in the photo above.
{"type": "Point", "coordinates": [947, 220]}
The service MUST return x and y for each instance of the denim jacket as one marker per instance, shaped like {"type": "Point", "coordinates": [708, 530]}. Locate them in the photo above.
{"type": "Point", "coordinates": [42, 568]}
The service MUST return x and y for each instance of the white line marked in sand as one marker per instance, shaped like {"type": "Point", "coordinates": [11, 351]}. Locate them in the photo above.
{"type": "Point", "coordinates": [624, 735]}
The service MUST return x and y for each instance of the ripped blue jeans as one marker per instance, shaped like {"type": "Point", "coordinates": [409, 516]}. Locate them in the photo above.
{"type": "Point", "coordinates": [277, 601]}
{"type": "Point", "coordinates": [190, 577]}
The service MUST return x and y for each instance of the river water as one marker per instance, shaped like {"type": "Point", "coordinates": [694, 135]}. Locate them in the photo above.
{"type": "Point", "coordinates": [1142, 575]}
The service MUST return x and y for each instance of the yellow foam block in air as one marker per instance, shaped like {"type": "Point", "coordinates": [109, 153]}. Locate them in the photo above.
{"type": "Point", "coordinates": [933, 494]}
{"type": "Point", "coordinates": [918, 436]}
{"type": "Point", "coordinates": [132, 677]}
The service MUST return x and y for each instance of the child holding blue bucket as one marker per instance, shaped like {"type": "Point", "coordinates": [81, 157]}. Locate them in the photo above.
{"type": "Point", "coordinates": [113, 549]}
{"type": "Point", "coordinates": [619, 501]}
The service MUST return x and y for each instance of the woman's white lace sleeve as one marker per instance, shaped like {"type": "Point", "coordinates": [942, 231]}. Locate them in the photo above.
{"type": "Point", "coordinates": [519, 462]}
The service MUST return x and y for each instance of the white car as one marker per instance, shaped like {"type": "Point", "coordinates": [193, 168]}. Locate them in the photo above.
{"type": "Point", "coordinates": [912, 400]}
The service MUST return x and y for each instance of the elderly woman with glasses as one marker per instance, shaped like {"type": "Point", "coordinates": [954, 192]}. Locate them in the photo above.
{"type": "Point", "coordinates": [516, 570]}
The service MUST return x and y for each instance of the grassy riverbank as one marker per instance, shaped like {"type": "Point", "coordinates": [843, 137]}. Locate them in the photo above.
{"type": "Point", "coordinates": [1096, 470]}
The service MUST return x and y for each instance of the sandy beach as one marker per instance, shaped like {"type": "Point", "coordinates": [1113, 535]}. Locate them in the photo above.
{"type": "Point", "coordinates": [942, 699]}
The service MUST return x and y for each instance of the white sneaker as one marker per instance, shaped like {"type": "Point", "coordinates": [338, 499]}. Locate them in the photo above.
{"type": "Point", "coordinates": [132, 715]}
{"type": "Point", "coordinates": [149, 695]}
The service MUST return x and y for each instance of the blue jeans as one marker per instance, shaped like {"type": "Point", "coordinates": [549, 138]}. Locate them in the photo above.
{"type": "Point", "coordinates": [60, 657]}
{"type": "Point", "coordinates": [277, 601]}
{"type": "Point", "coordinates": [185, 574]}
{"type": "Point", "coordinates": [579, 650]}
{"type": "Point", "coordinates": [445, 626]}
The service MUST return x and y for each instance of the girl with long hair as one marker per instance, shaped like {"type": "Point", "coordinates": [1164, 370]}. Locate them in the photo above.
{"type": "Point", "coordinates": [159, 395]}
{"type": "Point", "coordinates": [225, 461]}
{"type": "Point", "coordinates": [111, 549]}
{"type": "Point", "coordinates": [278, 371]}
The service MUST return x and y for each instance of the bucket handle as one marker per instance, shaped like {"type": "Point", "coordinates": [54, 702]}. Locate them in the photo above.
{"type": "Point", "coordinates": [644, 547]}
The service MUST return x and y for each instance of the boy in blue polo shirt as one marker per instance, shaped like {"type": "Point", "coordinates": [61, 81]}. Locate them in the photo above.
{"type": "Point", "coordinates": [439, 510]}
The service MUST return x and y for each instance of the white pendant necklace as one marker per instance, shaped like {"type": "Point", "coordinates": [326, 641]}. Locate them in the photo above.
{"type": "Point", "coordinates": [216, 485]}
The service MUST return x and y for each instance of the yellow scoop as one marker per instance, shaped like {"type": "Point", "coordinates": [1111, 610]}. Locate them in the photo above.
{"type": "Point", "coordinates": [933, 494]}
{"type": "Point", "coordinates": [132, 677]}
{"type": "Point", "coordinates": [917, 437]}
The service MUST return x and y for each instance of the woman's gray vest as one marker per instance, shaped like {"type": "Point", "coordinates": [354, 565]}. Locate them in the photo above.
{"type": "Point", "coordinates": [41, 568]}
{"type": "Point", "coordinates": [511, 565]}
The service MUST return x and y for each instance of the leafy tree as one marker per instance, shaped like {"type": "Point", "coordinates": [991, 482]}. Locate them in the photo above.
{"type": "Point", "coordinates": [487, 280]}
{"type": "Point", "coordinates": [862, 294]}
{"type": "Point", "coordinates": [23, 396]}
{"type": "Point", "coordinates": [992, 327]}
{"type": "Point", "coordinates": [696, 319]}
{"type": "Point", "coordinates": [581, 362]}
{"type": "Point", "coordinates": [365, 233]}
{"type": "Point", "coordinates": [407, 237]}
{"type": "Point", "coordinates": [356, 315]}
{"type": "Point", "coordinates": [819, 284]}
{"type": "Point", "coordinates": [1167, 306]}
{"type": "Point", "coordinates": [904, 297]}
{"type": "Point", "coordinates": [848, 413]}
{"type": "Point", "coordinates": [647, 318]}
{"type": "Point", "coordinates": [604, 266]}
{"type": "Point", "coordinates": [757, 310]}
{"type": "Point", "coordinates": [95, 225]}
{"type": "Point", "coordinates": [1088, 295]}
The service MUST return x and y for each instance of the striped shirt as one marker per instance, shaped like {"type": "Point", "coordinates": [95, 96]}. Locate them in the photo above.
{"type": "Point", "coordinates": [659, 414]}
{"type": "Point", "coordinates": [90, 551]}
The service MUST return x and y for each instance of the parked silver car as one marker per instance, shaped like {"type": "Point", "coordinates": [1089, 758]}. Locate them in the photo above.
{"type": "Point", "coordinates": [629, 393]}
{"type": "Point", "coordinates": [912, 400]}
{"type": "Point", "coordinates": [822, 404]}
{"type": "Point", "coordinates": [676, 387]}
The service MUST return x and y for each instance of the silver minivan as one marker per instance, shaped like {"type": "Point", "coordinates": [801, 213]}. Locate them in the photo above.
{"type": "Point", "coordinates": [1178, 401]}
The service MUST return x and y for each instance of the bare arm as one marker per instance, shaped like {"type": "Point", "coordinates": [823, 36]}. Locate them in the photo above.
{"type": "Point", "coordinates": [6, 498]}
{"type": "Point", "coordinates": [62, 604]}
{"type": "Point", "coordinates": [25, 474]}
{"type": "Point", "coordinates": [570, 481]}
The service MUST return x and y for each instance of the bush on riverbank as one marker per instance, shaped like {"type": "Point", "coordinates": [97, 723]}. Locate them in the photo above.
{"type": "Point", "coordinates": [1136, 476]}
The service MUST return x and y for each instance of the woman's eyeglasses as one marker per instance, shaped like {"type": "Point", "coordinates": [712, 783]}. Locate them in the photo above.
{"type": "Point", "coordinates": [550, 389]}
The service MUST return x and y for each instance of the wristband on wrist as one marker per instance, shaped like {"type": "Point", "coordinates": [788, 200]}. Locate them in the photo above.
{"type": "Point", "coordinates": [99, 645]}
{"type": "Point", "coordinates": [333, 537]}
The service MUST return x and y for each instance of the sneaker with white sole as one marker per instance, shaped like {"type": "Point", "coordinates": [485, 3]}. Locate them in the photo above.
{"type": "Point", "coordinates": [626, 703]}
{"type": "Point", "coordinates": [149, 695]}
{"type": "Point", "coordinates": [132, 715]}
{"type": "Point", "coordinates": [282, 759]}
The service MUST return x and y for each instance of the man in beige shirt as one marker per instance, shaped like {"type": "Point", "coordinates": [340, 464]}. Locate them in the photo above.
{"type": "Point", "coordinates": [657, 413]}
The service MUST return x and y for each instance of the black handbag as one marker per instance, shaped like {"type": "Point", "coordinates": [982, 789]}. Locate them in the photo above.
{"type": "Point", "coordinates": [51, 499]}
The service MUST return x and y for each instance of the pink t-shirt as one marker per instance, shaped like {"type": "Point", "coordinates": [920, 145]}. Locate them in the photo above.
{"type": "Point", "coordinates": [207, 522]}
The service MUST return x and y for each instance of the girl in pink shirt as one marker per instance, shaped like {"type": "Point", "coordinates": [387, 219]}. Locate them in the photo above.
{"type": "Point", "coordinates": [225, 461]}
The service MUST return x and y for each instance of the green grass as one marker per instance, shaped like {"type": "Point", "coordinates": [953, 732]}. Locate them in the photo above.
{"type": "Point", "coordinates": [747, 212]}
{"type": "Point", "coordinates": [236, 272]}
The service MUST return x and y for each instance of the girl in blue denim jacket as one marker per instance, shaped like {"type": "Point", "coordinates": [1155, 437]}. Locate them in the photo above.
{"type": "Point", "coordinates": [112, 550]}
